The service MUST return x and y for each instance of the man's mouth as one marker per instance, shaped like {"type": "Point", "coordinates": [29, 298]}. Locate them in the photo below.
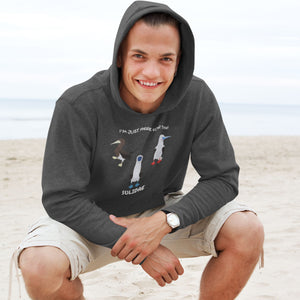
{"type": "Point", "coordinates": [148, 83]}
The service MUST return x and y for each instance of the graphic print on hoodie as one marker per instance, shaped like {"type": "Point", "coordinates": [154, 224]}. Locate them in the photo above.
{"type": "Point", "coordinates": [119, 154]}
{"type": "Point", "coordinates": [158, 154]}
{"type": "Point", "coordinates": [104, 158]}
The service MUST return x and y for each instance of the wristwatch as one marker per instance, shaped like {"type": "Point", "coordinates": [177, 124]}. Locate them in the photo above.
{"type": "Point", "coordinates": [172, 220]}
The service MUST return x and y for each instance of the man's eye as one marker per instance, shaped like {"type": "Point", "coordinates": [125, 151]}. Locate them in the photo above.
{"type": "Point", "coordinates": [138, 56]}
{"type": "Point", "coordinates": [167, 59]}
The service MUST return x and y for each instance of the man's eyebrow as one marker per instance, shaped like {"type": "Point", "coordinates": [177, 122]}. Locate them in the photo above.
{"type": "Point", "coordinates": [138, 51]}
{"type": "Point", "coordinates": [145, 53]}
{"type": "Point", "coordinates": [169, 54]}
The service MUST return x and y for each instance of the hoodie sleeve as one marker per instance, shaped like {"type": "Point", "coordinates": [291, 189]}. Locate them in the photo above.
{"type": "Point", "coordinates": [213, 158]}
{"type": "Point", "coordinates": [66, 174]}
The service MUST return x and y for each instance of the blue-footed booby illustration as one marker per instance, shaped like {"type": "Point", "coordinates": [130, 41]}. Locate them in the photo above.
{"type": "Point", "coordinates": [159, 149]}
{"type": "Point", "coordinates": [136, 172]}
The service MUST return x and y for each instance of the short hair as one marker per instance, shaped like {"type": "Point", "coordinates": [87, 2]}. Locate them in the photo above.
{"type": "Point", "coordinates": [157, 19]}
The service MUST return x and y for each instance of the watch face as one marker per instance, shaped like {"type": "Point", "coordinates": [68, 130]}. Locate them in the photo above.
{"type": "Point", "coordinates": [173, 220]}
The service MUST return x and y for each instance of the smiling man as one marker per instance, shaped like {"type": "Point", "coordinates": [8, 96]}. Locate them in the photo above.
{"type": "Point", "coordinates": [149, 57]}
{"type": "Point", "coordinates": [116, 157]}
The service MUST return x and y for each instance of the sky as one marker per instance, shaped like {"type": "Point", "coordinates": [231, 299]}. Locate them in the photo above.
{"type": "Point", "coordinates": [247, 51]}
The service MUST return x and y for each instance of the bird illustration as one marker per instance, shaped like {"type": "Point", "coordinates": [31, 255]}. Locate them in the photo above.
{"type": "Point", "coordinates": [136, 172]}
{"type": "Point", "coordinates": [159, 149]}
{"type": "Point", "coordinates": [119, 153]}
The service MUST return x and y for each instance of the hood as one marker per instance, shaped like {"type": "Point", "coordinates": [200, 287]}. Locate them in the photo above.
{"type": "Point", "coordinates": [185, 69]}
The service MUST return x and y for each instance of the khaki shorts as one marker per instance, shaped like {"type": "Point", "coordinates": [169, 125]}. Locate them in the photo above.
{"type": "Point", "coordinates": [192, 241]}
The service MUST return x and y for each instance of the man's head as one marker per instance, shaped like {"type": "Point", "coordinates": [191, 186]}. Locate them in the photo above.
{"type": "Point", "coordinates": [148, 58]}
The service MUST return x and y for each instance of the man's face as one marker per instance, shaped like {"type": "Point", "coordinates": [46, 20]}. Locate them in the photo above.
{"type": "Point", "coordinates": [148, 58]}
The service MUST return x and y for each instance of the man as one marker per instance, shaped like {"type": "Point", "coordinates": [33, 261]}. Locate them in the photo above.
{"type": "Point", "coordinates": [116, 156]}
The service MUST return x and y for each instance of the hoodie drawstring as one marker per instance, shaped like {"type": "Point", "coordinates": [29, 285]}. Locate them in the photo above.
{"type": "Point", "coordinates": [14, 261]}
{"type": "Point", "coordinates": [262, 259]}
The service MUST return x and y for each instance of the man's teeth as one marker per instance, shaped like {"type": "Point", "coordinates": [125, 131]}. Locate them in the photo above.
{"type": "Point", "coordinates": [148, 83]}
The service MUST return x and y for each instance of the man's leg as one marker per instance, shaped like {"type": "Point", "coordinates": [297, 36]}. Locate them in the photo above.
{"type": "Point", "coordinates": [46, 273]}
{"type": "Point", "coordinates": [239, 245]}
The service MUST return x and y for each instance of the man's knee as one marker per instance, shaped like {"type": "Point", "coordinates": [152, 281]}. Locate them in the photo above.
{"type": "Point", "coordinates": [243, 233]}
{"type": "Point", "coordinates": [43, 267]}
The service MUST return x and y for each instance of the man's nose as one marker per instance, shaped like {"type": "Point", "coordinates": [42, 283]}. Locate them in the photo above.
{"type": "Point", "coordinates": [151, 70]}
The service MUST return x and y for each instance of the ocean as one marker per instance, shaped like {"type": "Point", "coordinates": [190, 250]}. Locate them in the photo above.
{"type": "Point", "coordinates": [30, 118]}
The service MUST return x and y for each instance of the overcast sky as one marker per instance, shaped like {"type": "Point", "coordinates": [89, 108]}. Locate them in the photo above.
{"type": "Point", "coordinates": [247, 51]}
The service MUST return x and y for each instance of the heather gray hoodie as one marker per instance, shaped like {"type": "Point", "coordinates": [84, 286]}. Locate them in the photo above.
{"type": "Point", "coordinates": [103, 158]}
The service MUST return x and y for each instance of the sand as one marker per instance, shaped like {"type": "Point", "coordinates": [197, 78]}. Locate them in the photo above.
{"type": "Point", "coordinates": [269, 182]}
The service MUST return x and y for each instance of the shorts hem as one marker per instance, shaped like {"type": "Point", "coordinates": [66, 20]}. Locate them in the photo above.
{"type": "Point", "coordinates": [25, 245]}
{"type": "Point", "coordinates": [217, 227]}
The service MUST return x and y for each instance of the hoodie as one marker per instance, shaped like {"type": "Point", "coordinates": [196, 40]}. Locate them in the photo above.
{"type": "Point", "coordinates": [103, 158]}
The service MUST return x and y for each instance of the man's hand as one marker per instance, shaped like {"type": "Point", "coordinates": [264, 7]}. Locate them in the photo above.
{"type": "Point", "coordinates": [142, 237]}
{"type": "Point", "coordinates": [163, 266]}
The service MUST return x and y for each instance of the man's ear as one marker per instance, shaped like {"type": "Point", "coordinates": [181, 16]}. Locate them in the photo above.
{"type": "Point", "coordinates": [119, 60]}
{"type": "Point", "coordinates": [119, 57]}
{"type": "Point", "coordinates": [177, 63]}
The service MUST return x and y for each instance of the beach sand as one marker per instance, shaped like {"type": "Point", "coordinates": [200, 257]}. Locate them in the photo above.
{"type": "Point", "coordinates": [269, 182]}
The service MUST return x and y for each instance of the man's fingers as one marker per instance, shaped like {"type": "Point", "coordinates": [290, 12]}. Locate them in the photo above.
{"type": "Point", "coordinates": [159, 279]}
{"type": "Point", "coordinates": [122, 245]}
{"type": "Point", "coordinates": [179, 269]}
{"type": "Point", "coordinates": [139, 258]}
{"type": "Point", "coordinates": [125, 251]}
{"type": "Point", "coordinates": [163, 266]}
{"type": "Point", "coordinates": [117, 248]}
{"type": "Point", "coordinates": [163, 279]}
{"type": "Point", "coordinates": [174, 275]}
{"type": "Point", "coordinates": [172, 272]}
{"type": "Point", "coordinates": [131, 256]}
{"type": "Point", "coordinates": [167, 278]}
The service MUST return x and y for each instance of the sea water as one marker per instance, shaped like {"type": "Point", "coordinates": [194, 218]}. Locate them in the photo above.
{"type": "Point", "coordinates": [30, 118]}
{"type": "Point", "coordinates": [261, 119]}
{"type": "Point", "coordinates": [25, 118]}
